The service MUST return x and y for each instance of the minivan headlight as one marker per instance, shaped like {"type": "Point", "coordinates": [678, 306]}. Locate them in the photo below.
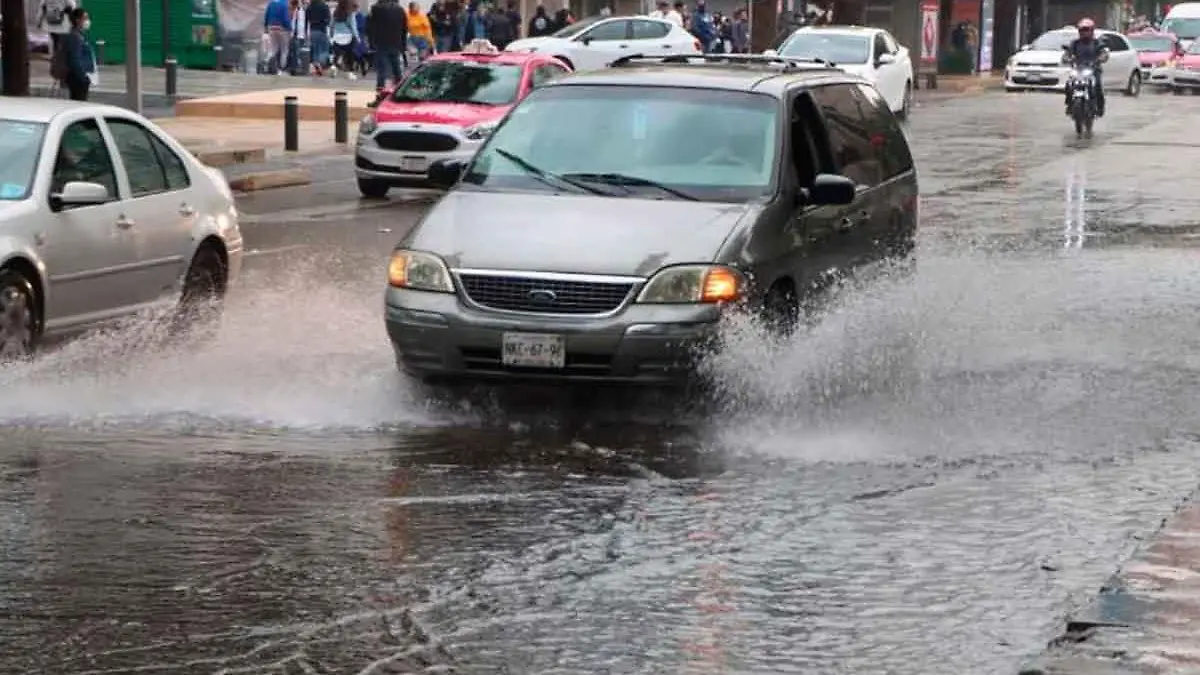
{"type": "Point", "coordinates": [419, 271]}
{"type": "Point", "coordinates": [693, 284]}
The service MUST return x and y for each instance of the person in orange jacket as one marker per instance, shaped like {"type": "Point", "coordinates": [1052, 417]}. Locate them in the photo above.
{"type": "Point", "coordinates": [420, 31]}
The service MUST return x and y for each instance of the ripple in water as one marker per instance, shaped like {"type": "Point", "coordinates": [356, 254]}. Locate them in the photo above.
{"type": "Point", "coordinates": [294, 352]}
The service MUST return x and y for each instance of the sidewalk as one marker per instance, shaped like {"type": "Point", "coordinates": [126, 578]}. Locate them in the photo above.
{"type": "Point", "coordinates": [1146, 620]}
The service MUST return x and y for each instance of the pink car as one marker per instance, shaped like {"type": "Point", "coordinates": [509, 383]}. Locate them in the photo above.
{"type": "Point", "coordinates": [1186, 73]}
{"type": "Point", "coordinates": [1157, 52]}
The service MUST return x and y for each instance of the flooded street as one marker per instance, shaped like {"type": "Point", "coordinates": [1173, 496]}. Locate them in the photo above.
{"type": "Point", "coordinates": [926, 482]}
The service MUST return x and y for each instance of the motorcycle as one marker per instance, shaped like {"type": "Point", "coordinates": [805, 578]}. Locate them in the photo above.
{"type": "Point", "coordinates": [1083, 104]}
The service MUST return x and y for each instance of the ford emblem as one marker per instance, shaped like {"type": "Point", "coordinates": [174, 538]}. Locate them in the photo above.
{"type": "Point", "coordinates": [543, 296]}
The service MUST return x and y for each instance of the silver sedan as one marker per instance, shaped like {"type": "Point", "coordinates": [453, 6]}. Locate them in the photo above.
{"type": "Point", "coordinates": [102, 215]}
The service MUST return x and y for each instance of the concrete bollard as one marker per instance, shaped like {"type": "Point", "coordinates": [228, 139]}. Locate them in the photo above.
{"type": "Point", "coordinates": [100, 53]}
{"type": "Point", "coordinates": [291, 123]}
{"type": "Point", "coordinates": [172, 77]}
{"type": "Point", "coordinates": [341, 117]}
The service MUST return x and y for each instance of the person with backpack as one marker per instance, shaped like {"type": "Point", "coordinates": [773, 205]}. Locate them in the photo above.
{"type": "Point", "coordinates": [540, 24]}
{"type": "Point", "coordinates": [74, 64]}
{"type": "Point", "coordinates": [55, 18]}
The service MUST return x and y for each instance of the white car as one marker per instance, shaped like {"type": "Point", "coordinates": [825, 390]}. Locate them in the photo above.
{"type": "Point", "coordinates": [594, 43]}
{"type": "Point", "coordinates": [1042, 64]}
{"type": "Point", "coordinates": [102, 215]}
{"type": "Point", "coordinates": [870, 53]}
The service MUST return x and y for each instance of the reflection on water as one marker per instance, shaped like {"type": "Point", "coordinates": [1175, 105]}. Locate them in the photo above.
{"type": "Point", "coordinates": [1075, 205]}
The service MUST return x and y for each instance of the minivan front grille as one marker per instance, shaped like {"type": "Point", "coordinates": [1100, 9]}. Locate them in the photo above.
{"type": "Point", "coordinates": [544, 296]}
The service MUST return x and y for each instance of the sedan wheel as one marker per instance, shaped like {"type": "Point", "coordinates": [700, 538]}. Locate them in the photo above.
{"type": "Point", "coordinates": [1135, 84]}
{"type": "Point", "coordinates": [18, 325]}
{"type": "Point", "coordinates": [906, 103]}
{"type": "Point", "coordinates": [203, 291]}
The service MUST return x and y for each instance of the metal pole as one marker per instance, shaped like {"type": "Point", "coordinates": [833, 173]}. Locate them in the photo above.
{"type": "Point", "coordinates": [291, 123]}
{"type": "Point", "coordinates": [133, 55]}
{"type": "Point", "coordinates": [14, 48]}
{"type": "Point", "coordinates": [341, 117]}
{"type": "Point", "coordinates": [100, 52]}
{"type": "Point", "coordinates": [172, 77]}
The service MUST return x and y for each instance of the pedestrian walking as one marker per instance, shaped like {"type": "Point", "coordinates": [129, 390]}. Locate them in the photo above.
{"type": "Point", "coordinates": [499, 29]}
{"type": "Point", "coordinates": [420, 31]}
{"type": "Point", "coordinates": [541, 23]}
{"type": "Point", "coordinates": [741, 33]}
{"type": "Point", "coordinates": [277, 24]}
{"type": "Point", "coordinates": [665, 13]}
{"type": "Point", "coordinates": [319, 18]}
{"type": "Point", "coordinates": [387, 29]}
{"type": "Point", "coordinates": [296, 48]}
{"type": "Point", "coordinates": [54, 17]}
{"type": "Point", "coordinates": [344, 37]}
{"type": "Point", "coordinates": [77, 69]}
{"type": "Point", "coordinates": [443, 20]}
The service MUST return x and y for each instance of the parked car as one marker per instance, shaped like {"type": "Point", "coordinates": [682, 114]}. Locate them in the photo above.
{"type": "Point", "coordinates": [1042, 64]}
{"type": "Point", "coordinates": [444, 108]}
{"type": "Point", "coordinates": [597, 41]}
{"type": "Point", "coordinates": [871, 53]}
{"type": "Point", "coordinates": [613, 217]}
{"type": "Point", "coordinates": [103, 215]}
{"type": "Point", "coordinates": [1157, 53]}
{"type": "Point", "coordinates": [1185, 74]}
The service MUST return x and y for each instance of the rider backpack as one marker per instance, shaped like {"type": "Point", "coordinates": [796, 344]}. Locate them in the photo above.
{"type": "Point", "coordinates": [56, 11]}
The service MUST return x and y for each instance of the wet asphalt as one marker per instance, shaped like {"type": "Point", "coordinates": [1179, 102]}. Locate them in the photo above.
{"type": "Point", "coordinates": [926, 482]}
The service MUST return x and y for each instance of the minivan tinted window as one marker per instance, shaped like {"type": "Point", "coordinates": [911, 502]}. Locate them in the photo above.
{"type": "Point", "coordinates": [891, 147]}
{"type": "Point", "coordinates": [847, 113]}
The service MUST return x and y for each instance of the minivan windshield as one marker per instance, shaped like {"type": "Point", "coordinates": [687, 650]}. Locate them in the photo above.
{"type": "Point", "coordinates": [20, 146]}
{"type": "Point", "coordinates": [1183, 28]}
{"type": "Point", "coordinates": [625, 141]}
{"type": "Point", "coordinates": [835, 47]}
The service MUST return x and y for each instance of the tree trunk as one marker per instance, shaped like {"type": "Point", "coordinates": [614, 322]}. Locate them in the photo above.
{"type": "Point", "coordinates": [14, 48]}
{"type": "Point", "coordinates": [764, 16]}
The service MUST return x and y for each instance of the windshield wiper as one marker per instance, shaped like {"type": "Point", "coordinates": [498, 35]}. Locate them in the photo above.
{"type": "Point", "coordinates": [626, 181]}
{"type": "Point", "coordinates": [545, 176]}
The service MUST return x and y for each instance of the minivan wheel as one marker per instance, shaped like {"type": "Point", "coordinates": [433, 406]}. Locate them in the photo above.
{"type": "Point", "coordinates": [18, 317]}
{"type": "Point", "coordinates": [781, 309]}
{"type": "Point", "coordinates": [203, 292]}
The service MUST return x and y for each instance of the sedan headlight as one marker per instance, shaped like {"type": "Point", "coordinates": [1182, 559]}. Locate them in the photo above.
{"type": "Point", "coordinates": [419, 271]}
{"type": "Point", "coordinates": [693, 284]}
{"type": "Point", "coordinates": [478, 132]}
{"type": "Point", "coordinates": [368, 125]}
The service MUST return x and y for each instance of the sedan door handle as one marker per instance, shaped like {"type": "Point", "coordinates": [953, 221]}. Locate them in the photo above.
{"type": "Point", "coordinates": [186, 210]}
{"type": "Point", "coordinates": [125, 223]}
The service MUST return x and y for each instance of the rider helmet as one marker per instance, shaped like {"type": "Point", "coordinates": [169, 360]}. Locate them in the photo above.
{"type": "Point", "coordinates": [1086, 27]}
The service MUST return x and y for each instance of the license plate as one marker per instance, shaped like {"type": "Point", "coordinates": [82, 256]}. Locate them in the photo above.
{"type": "Point", "coordinates": [1033, 78]}
{"type": "Point", "coordinates": [533, 350]}
{"type": "Point", "coordinates": [412, 163]}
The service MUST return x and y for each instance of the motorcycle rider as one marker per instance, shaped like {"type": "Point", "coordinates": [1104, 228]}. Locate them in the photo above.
{"type": "Point", "coordinates": [1087, 50]}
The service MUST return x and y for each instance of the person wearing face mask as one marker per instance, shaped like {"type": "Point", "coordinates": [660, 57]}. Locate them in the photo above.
{"type": "Point", "coordinates": [79, 60]}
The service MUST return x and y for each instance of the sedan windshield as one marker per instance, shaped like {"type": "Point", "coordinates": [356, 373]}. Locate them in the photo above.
{"type": "Point", "coordinates": [1186, 29]}
{"type": "Point", "coordinates": [20, 146]}
{"type": "Point", "coordinates": [1053, 41]}
{"type": "Point", "coordinates": [1151, 43]}
{"type": "Point", "coordinates": [576, 28]}
{"type": "Point", "coordinates": [658, 142]}
{"type": "Point", "coordinates": [827, 46]}
{"type": "Point", "coordinates": [461, 82]}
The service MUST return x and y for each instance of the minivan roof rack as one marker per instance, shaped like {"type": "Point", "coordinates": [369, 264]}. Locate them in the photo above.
{"type": "Point", "coordinates": [788, 62]}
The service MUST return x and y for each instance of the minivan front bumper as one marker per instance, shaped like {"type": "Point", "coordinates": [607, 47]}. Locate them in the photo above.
{"type": "Point", "coordinates": [436, 336]}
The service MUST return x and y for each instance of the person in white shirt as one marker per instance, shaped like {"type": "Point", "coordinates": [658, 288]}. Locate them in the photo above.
{"type": "Point", "coordinates": [665, 12]}
{"type": "Point", "coordinates": [54, 17]}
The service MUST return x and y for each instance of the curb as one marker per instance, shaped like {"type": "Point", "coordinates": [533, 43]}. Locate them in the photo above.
{"type": "Point", "coordinates": [222, 157]}
{"type": "Point", "coordinates": [1145, 619]}
{"type": "Point", "coordinates": [269, 179]}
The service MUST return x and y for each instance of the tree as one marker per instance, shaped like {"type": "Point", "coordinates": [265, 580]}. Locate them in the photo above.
{"type": "Point", "coordinates": [14, 48]}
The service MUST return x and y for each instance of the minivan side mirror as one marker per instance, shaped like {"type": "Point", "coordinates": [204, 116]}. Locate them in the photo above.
{"type": "Point", "coordinates": [831, 189]}
{"type": "Point", "coordinates": [79, 193]}
{"type": "Point", "coordinates": [444, 173]}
